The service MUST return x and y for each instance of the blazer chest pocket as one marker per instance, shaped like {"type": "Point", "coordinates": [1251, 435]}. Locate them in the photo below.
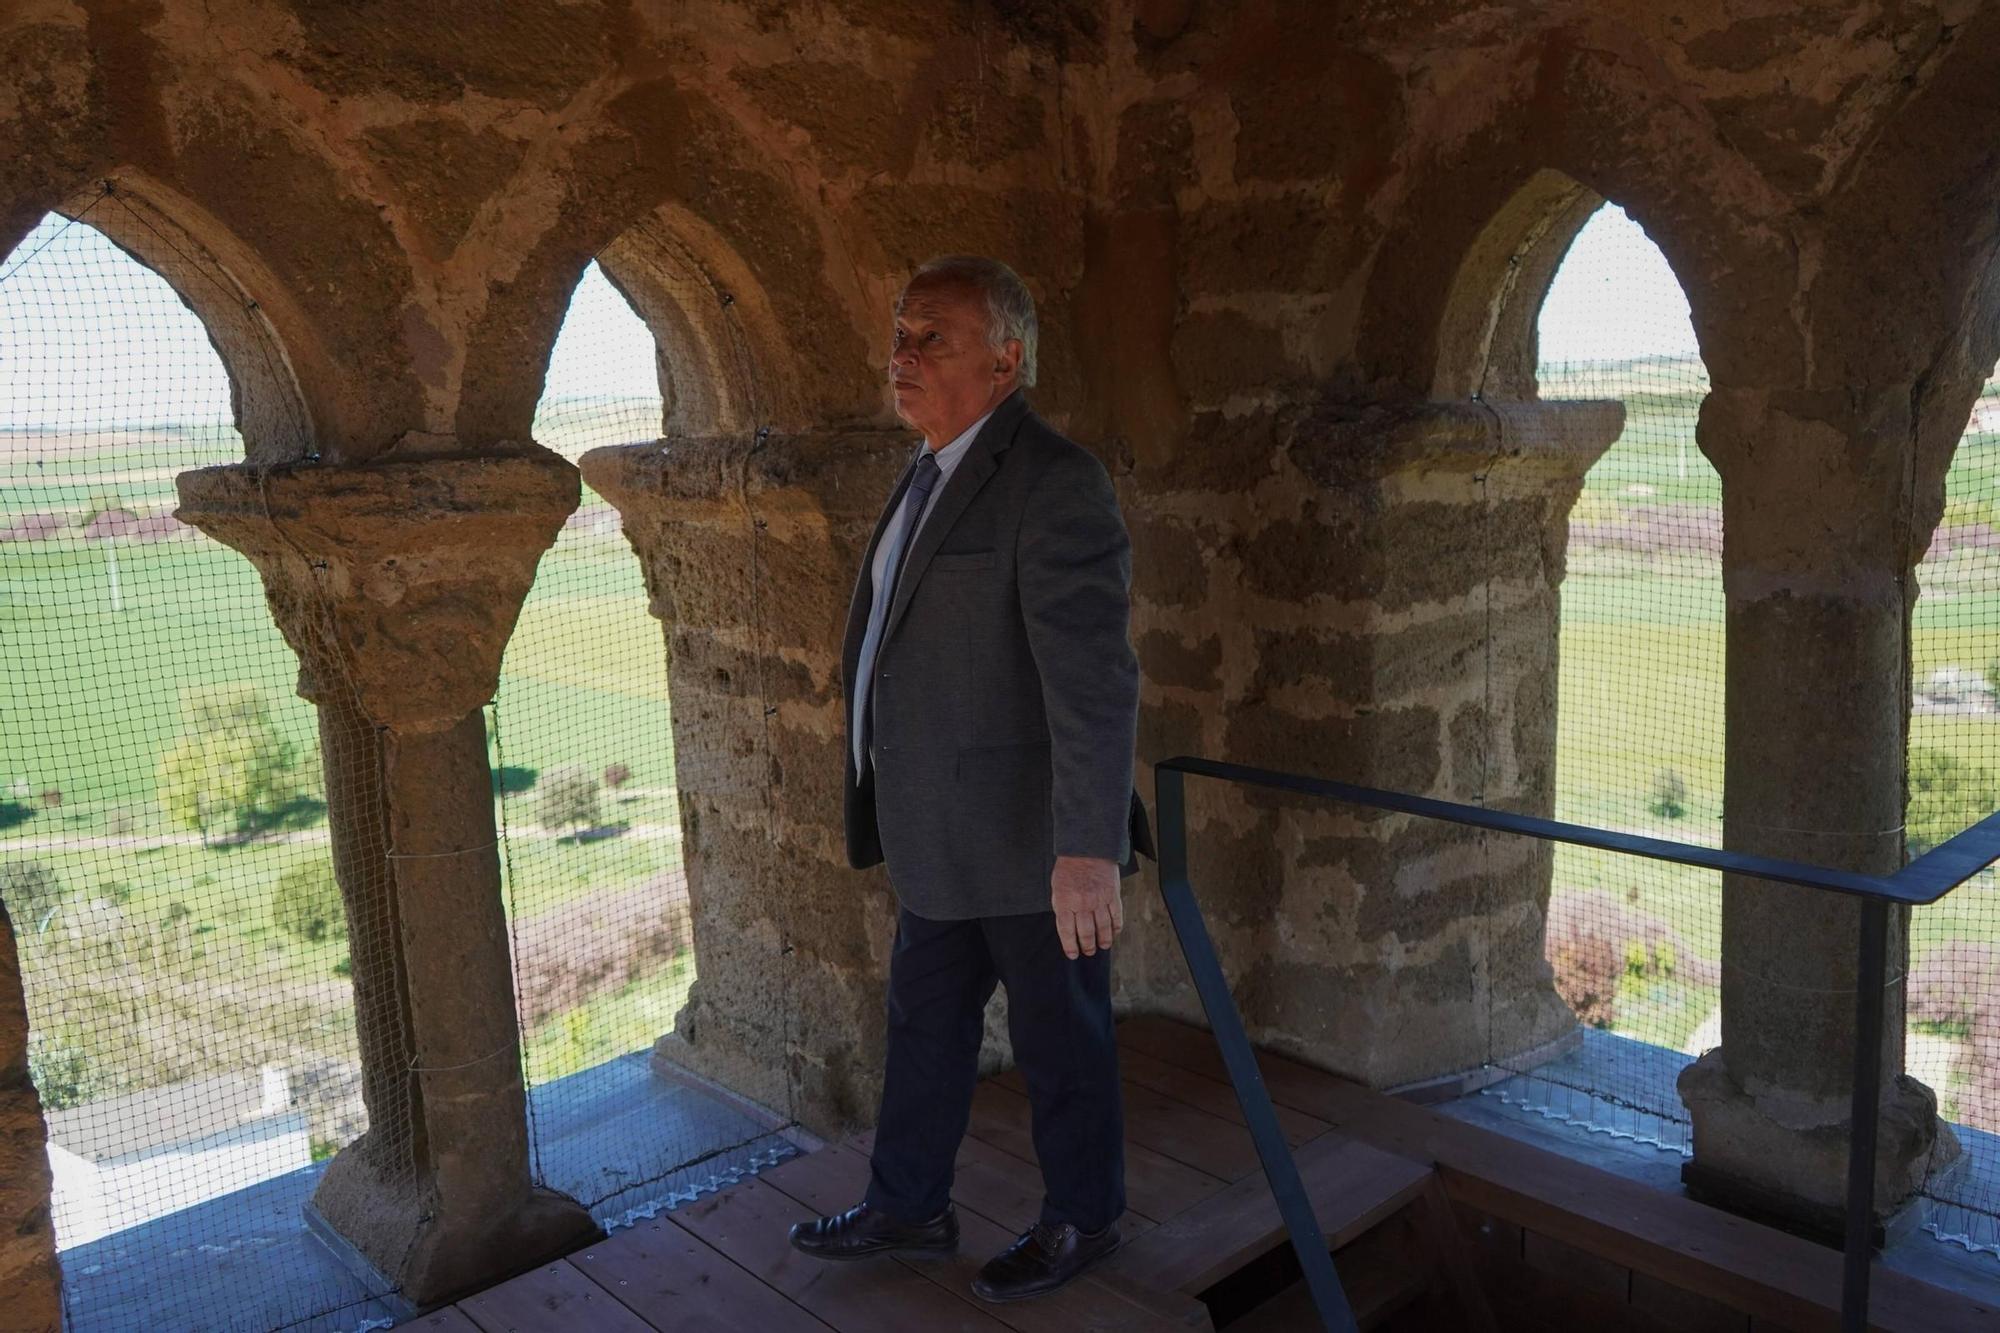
{"type": "Point", "coordinates": [947, 561]}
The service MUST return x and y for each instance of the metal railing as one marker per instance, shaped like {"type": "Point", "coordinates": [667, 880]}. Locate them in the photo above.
{"type": "Point", "coordinates": [1924, 880]}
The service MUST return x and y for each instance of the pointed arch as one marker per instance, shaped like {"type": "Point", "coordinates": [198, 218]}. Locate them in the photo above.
{"type": "Point", "coordinates": [250, 321]}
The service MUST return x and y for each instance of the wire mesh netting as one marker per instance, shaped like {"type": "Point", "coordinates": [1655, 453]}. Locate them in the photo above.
{"type": "Point", "coordinates": [1953, 1042]}
{"type": "Point", "coordinates": [164, 849]}
{"type": "Point", "coordinates": [1635, 945]}
{"type": "Point", "coordinates": [587, 752]}
{"type": "Point", "coordinates": [210, 958]}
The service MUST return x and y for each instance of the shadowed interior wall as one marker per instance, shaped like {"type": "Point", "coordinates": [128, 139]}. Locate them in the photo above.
{"type": "Point", "coordinates": [1271, 248]}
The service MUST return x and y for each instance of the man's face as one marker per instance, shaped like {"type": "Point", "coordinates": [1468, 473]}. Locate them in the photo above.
{"type": "Point", "coordinates": [944, 374]}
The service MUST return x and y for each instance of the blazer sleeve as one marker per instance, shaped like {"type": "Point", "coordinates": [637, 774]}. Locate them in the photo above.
{"type": "Point", "coordinates": [1073, 566]}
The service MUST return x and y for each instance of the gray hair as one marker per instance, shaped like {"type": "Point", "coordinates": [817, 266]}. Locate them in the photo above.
{"type": "Point", "coordinates": [1010, 308]}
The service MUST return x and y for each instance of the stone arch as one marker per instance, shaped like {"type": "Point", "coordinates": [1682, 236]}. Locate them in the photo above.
{"type": "Point", "coordinates": [1487, 335]}
{"type": "Point", "coordinates": [743, 273]}
{"type": "Point", "coordinates": [1599, 119]}
{"type": "Point", "coordinates": [718, 345]}
{"type": "Point", "coordinates": [250, 320]}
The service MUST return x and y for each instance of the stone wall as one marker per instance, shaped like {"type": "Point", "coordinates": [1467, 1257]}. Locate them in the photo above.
{"type": "Point", "coordinates": [1276, 248]}
{"type": "Point", "coordinates": [28, 1268]}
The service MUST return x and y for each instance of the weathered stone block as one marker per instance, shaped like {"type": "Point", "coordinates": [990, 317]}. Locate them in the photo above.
{"type": "Point", "coordinates": [29, 1272]}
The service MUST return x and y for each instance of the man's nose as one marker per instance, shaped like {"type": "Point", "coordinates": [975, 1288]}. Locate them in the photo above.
{"type": "Point", "coordinates": [905, 355]}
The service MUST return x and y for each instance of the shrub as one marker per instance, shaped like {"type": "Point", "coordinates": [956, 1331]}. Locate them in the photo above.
{"type": "Point", "coordinates": [567, 799]}
{"type": "Point", "coordinates": [1638, 961]}
{"type": "Point", "coordinates": [230, 763]}
{"type": "Point", "coordinates": [63, 1072]}
{"type": "Point", "coordinates": [32, 891]}
{"type": "Point", "coordinates": [1587, 970]}
{"type": "Point", "coordinates": [306, 903]}
{"type": "Point", "coordinates": [1670, 795]}
{"type": "Point", "coordinates": [1949, 984]}
{"type": "Point", "coordinates": [1946, 796]}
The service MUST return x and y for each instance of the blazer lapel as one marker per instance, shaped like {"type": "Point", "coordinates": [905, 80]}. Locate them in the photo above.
{"type": "Point", "coordinates": [971, 474]}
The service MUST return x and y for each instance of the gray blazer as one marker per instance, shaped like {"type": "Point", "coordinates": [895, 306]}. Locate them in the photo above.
{"type": "Point", "coordinates": [1006, 701]}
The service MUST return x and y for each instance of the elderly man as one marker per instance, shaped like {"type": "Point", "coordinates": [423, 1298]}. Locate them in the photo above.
{"type": "Point", "coordinates": [992, 699]}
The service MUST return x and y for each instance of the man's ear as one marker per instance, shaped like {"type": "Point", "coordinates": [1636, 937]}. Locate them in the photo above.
{"type": "Point", "coordinates": [1010, 358]}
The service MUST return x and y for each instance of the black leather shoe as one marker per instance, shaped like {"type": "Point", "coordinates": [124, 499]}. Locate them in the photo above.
{"type": "Point", "coordinates": [862, 1231]}
{"type": "Point", "coordinates": [1044, 1258]}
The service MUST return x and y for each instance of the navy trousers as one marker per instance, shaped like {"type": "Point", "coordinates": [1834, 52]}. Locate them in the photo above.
{"type": "Point", "coordinates": [941, 975]}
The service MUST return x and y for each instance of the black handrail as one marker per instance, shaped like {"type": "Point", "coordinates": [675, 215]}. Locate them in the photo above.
{"type": "Point", "coordinates": [1924, 880]}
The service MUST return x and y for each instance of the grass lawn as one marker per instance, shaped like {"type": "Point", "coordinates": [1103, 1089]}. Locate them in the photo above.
{"type": "Point", "coordinates": [614, 1024]}
{"type": "Point", "coordinates": [94, 699]}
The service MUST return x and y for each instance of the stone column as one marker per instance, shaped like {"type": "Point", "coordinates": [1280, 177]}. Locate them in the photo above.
{"type": "Point", "coordinates": [750, 546]}
{"type": "Point", "coordinates": [29, 1273]}
{"type": "Point", "coordinates": [1377, 603]}
{"type": "Point", "coordinates": [397, 584]}
{"type": "Point", "coordinates": [1817, 572]}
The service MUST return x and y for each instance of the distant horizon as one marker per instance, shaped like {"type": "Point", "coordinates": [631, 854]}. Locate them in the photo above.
{"type": "Point", "coordinates": [1614, 304]}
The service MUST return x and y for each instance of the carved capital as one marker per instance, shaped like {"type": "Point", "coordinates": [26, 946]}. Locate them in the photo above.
{"type": "Point", "coordinates": [395, 582]}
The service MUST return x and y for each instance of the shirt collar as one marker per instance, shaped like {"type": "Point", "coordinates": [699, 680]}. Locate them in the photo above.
{"type": "Point", "coordinates": [948, 456]}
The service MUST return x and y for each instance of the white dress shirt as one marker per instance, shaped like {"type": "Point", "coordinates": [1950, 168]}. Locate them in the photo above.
{"type": "Point", "coordinates": [947, 461]}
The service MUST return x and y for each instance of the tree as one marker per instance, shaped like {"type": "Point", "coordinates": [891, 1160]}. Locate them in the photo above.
{"type": "Point", "coordinates": [231, 761]}
{"type": "Point", "coordinates": [1670, 795]}
{"type": "Point", "coordinates": [1946, 796]}
{"type": "Point", "coordinates": [32, 891]}
{"type": "Point", "coordinates": [63, 1071]}
{"type": "Point", "coordinates": [306, 903]}
{"type": "Point", "coordinates": [567, 798]}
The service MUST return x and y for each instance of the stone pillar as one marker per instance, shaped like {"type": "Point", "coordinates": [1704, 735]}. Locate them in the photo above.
{"type": "Point", "coordinates": [1817, 572]}
{"type": "Point", "coordinates": [1382, 609]}
{"type": "Point", "coordinates": [29, 1273]}
{"type": "Point", "coordinates": [397, 584]}
{"type": "Point", "coordinates": [750, 546]}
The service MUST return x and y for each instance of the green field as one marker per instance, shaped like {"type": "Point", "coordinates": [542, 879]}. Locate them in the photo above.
{"type": "Point", "coordinates": [93, 699]}
{"type": "Point", "coordinates": [172, 940]}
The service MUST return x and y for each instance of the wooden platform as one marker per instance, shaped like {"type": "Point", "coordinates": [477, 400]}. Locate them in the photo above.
{"type": "Point", "coordinates": [1429, 1218]}
{"type": "Point", "coordinates": [1201, 1222]}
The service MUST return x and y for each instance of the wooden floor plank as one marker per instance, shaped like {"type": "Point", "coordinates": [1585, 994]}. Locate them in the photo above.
{"type": "Point", "coordinates": [749, 1223]}
{"type": "Point", "coordinates": [998, 1185]}
{"type": "Point", "coordinates": [672, 1280]}
{"type": "Point", "coordinates": [1768, 1274]}
{"type": "Point", "coordinates": [448, 1320]}
{"type": "Point", "coordinates": [1156, 1186]}
{"type": "Point", "coordinates": [1220, 1147]}
{"type": "Point", "coordinates": [832, 1178]}
{"type": "Point", "coordinates": [1215, 1096]}
{"type": "Point", "coordinates": [553, 1298]}
{"type": "Point", "coordinates": [1352, 1187]}
{"type": "Point", "coordinates": [1290, 1083]}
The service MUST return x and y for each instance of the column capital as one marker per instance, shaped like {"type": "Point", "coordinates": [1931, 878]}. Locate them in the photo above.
{"type": "Point", "coordinates": [400, 581]}
{"type": "Point", "coordinates": [1340, 445]}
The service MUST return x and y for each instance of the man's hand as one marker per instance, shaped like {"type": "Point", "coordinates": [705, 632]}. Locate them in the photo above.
{"type": "Point", "coordinates": [1084, 892]}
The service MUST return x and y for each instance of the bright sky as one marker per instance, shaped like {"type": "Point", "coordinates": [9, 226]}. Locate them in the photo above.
{"type": "Point", "coordinates": [90, 338]}
{"type": "Point", "coordinates": [604, 349]}
{"type": "Point", "coordinates": [1615, 298]}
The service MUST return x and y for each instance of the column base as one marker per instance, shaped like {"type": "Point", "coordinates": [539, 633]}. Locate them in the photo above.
{"type": "Point", "coordinates": [393, 1228]}
{"type": "Point", "coordinates": [1750, 1158]}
